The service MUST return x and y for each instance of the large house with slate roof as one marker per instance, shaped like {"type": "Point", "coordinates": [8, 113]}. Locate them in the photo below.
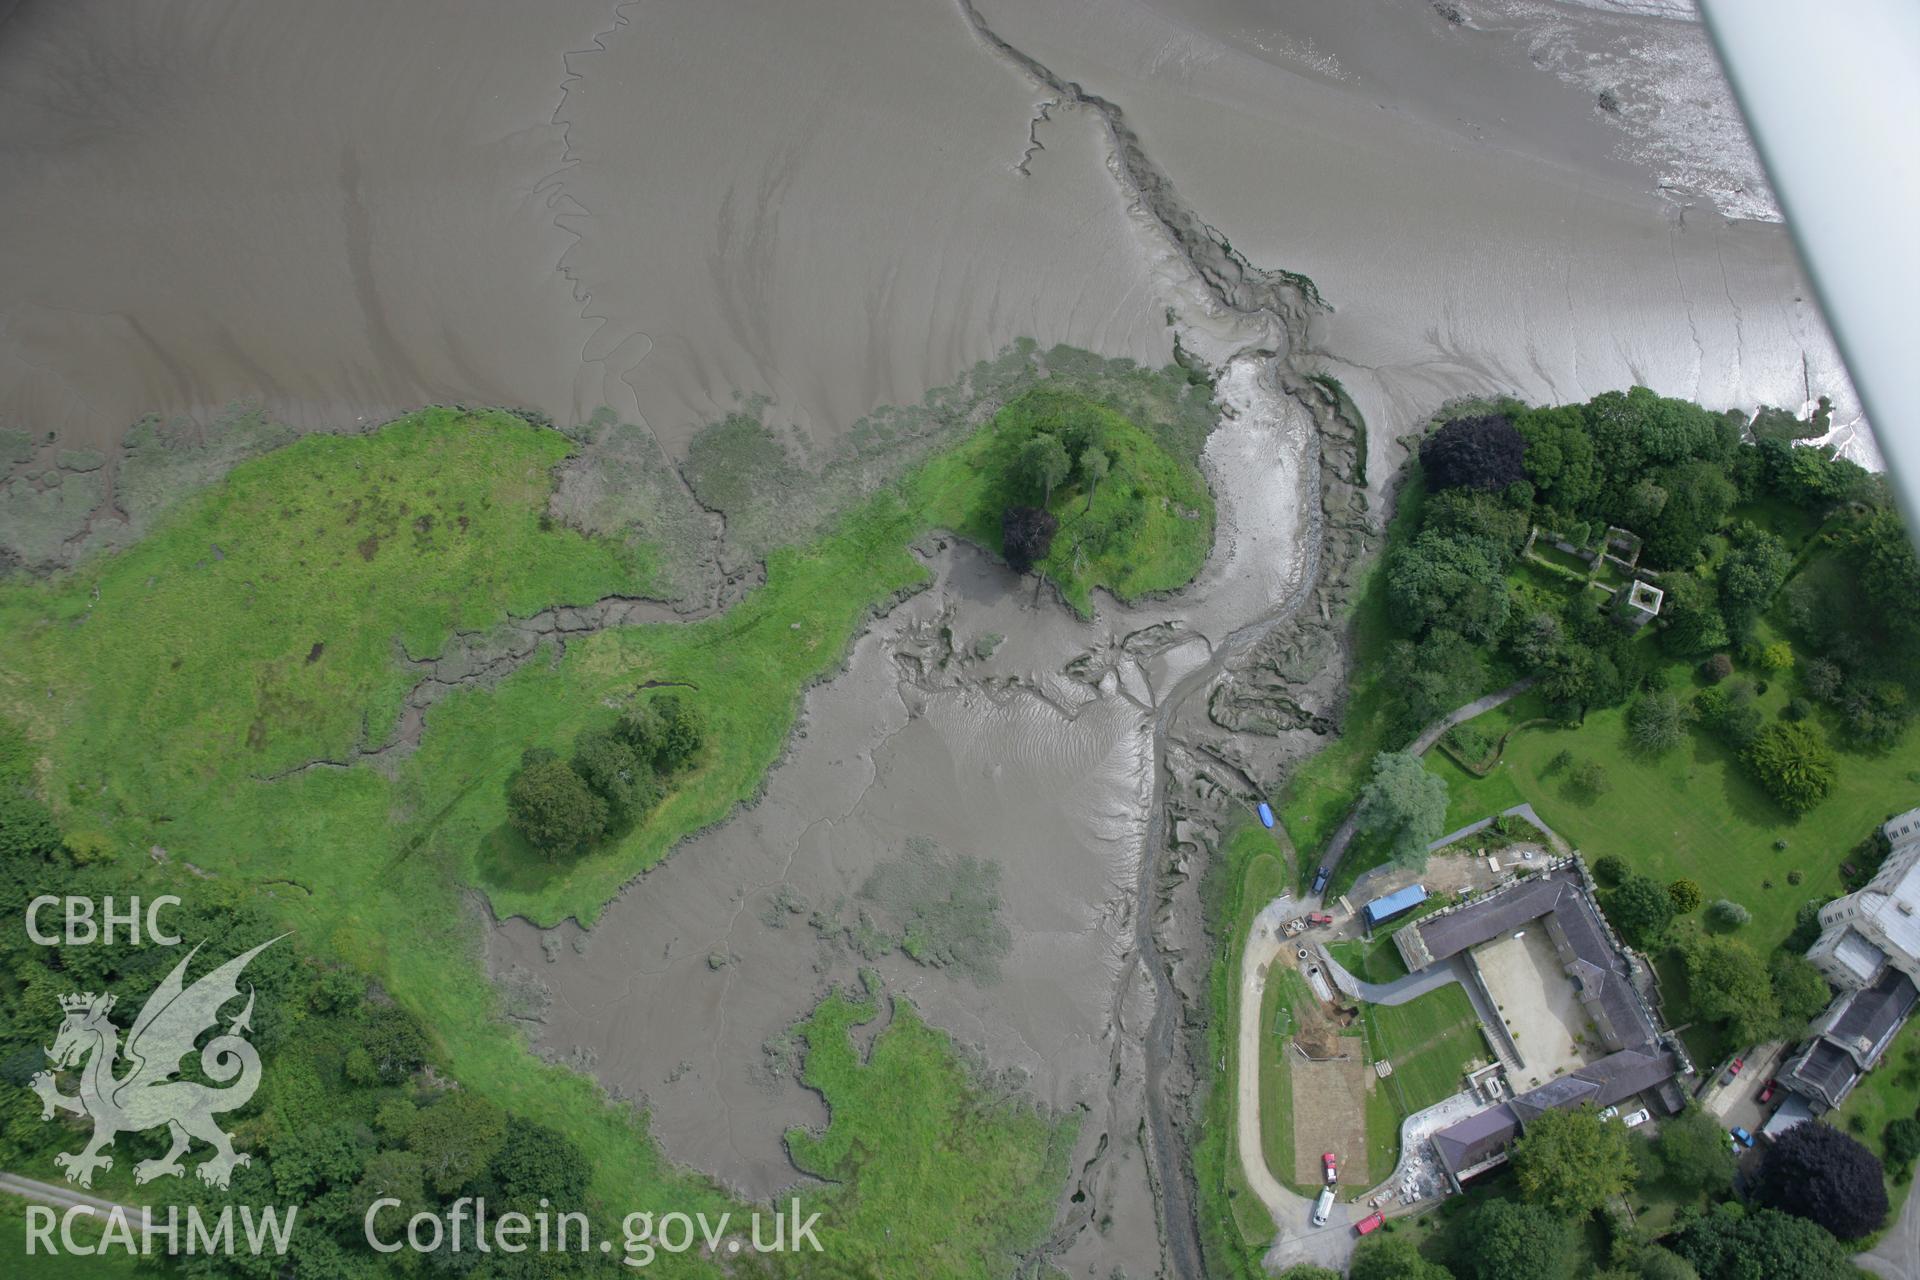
{"type": "Point", "coordinates": [1639, 1056]}
{"type": "Point", "coordinates": [1869, 949]}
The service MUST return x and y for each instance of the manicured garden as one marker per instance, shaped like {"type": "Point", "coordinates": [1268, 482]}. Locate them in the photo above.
{"type": "Point", "coordinates": [1430, 1041]}
{"type": "Point", "coordinates": [1722, 769]}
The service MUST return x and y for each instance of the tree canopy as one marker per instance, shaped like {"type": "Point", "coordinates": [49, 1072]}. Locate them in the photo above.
{"type": "Point", "coordinates": [1640, 908]}
{"type": "Point", "coordinates": [1026, 535]}
{"type": "Point", "coordinates": [1403, 807]}
{"type": "Point", "coordinates": [1044, 463]}
{"type": "Point", "coordinates": [1693, 1151]}
{"type": "Point", "coordinates": [1728, 983]}
{"type": "Point", "coordinates": [1657, 722]}
{"type": "Point", "coordinates": [1816, 1172]}
{"type": "Point", "coordinates": [1509, 1240]}
{"type": "Point", "coordinates": [555, 809]}
{"type": "Point", "coordinates": [1573, 1161]}
{"type": "Point", "coordinates": [1793, 763]}
{"type": "Point", "coordinates": [1799, 989]}
{"type": "Point", "coordinates": [1731, 1244]}
{"type": "Point", "coordinates": [1480, 452]}
{"type": "Point", "coordinates": [1385, 1257]}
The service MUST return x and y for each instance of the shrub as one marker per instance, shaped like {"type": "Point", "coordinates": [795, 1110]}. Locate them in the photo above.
{"type": "Point", "coordinates": [1608, 869]}
{"type": "Point", "coordinates": [1686, 895]}
{"type": "Point", "coordinates": [1640, 909]}
{"type": "Point", "coordinates": [1727, 914]}
{"type": "Point", "coordinates": [1793, 763]}
{"type": "Point", "coordinates": [1591, 777]}
{"type": "Point", "coordinates": [1717, 668]}
{"type": "Point", "coordinates": [1901, 1142]}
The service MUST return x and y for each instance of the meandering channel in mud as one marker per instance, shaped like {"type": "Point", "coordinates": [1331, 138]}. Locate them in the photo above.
{"type": "Point", "coordinates": [999, 730]}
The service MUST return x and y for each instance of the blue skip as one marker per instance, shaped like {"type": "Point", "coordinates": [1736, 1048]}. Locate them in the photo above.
{"type": "Point", "coordinates": [1266, 816]}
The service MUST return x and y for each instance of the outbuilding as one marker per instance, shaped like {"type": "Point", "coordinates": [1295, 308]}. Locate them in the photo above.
{"type": "Point", "coordinates": [1394, 904]}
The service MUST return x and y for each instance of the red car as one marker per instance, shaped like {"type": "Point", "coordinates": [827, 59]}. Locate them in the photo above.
{"type": "Point", "coordinates": [1372, 1222]}
{"type": "Point", "coordinates": [1332, 1166]}
{"type": "Point", "coordinates": [1732, 1071]}
{"type": "Point", "coordinates": [1766, 1092]}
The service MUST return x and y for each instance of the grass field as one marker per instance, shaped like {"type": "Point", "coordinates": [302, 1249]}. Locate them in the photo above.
{"type": "Point", "coordinates": [1696, 812]}
{"type": "Point", "coordinates": [1890, 1091]}
{"type": "Point", "coordinates": [1429, 1041]}
{"type": "Point", "coordinates": [927, 1148]}
{"type": "Point", "coordinates": [173, 691]}
{"type": "Point", "coordinates": [1251, 869]}
{"type": "Point", "coordinates": [1373, 959]}
{"type": "Point", "coordinates": [1286, 992]}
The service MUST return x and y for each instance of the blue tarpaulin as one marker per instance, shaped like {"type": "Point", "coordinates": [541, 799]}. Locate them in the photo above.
{"type": "Point", "coordinates": [1399, 902]}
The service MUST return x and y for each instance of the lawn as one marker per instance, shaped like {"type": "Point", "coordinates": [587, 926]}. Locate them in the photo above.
{"type": "Point", "coordinates": [1890, 1091]}
{"type": "Point", "coordinates": [1251, 868]}
{"type": "Point", "coordinates": [1373, 959]}
{"type": "Point", "coordinates": [174, 691]}
{"type": "Point", "coordinates": [1696, 812]}
{"type": "Point", "coordinates": [1429, 1042]}
{"type": "Point", "coordinates": [1284, 990]}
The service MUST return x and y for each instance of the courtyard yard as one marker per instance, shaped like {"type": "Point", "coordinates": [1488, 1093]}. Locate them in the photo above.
{"type": "Point", "coordinates": [1531, 990]}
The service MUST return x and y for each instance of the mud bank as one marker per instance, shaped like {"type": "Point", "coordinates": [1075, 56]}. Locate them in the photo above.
{"type": "Point", "coordinates": [994, 729]}
{"type": "Point", "coordinates": [1535, 260]}
{"type": "Point", "coordinates": [346, 216]}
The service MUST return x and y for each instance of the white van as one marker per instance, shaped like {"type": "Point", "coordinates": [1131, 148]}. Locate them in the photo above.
{"type": "Point", "coordinates": [1322, 1207]}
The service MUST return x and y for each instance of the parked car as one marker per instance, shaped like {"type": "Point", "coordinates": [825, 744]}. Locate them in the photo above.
{"type": "Point", "coordinates": [1331, 1165]}
{"type": "Point", "coordinates": [1322, 1207]}
{"type": "Point", "coordinates": [1733, 1071]}
{"type": "Point", "coordinates": [1610, 1113]}
{"type": "Point", "coordinates": [1372, 1222]}
{"type": "Point", "coordinates": [1767, 1090]}
{"type": "Point", "coordinates": [1741, 1136]}
{"type": "Point", "coordinates": [1634, 1119]}
{"type": "Point", "coordinates": [1320, 879]}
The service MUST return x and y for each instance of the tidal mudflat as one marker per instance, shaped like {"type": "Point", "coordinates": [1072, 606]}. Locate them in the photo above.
{"type": "Point", "coordinates": [802, 215]}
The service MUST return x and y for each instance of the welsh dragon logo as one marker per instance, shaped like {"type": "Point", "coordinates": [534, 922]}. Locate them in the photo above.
{"type": "Point", "coordinates": [147, 1095]}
